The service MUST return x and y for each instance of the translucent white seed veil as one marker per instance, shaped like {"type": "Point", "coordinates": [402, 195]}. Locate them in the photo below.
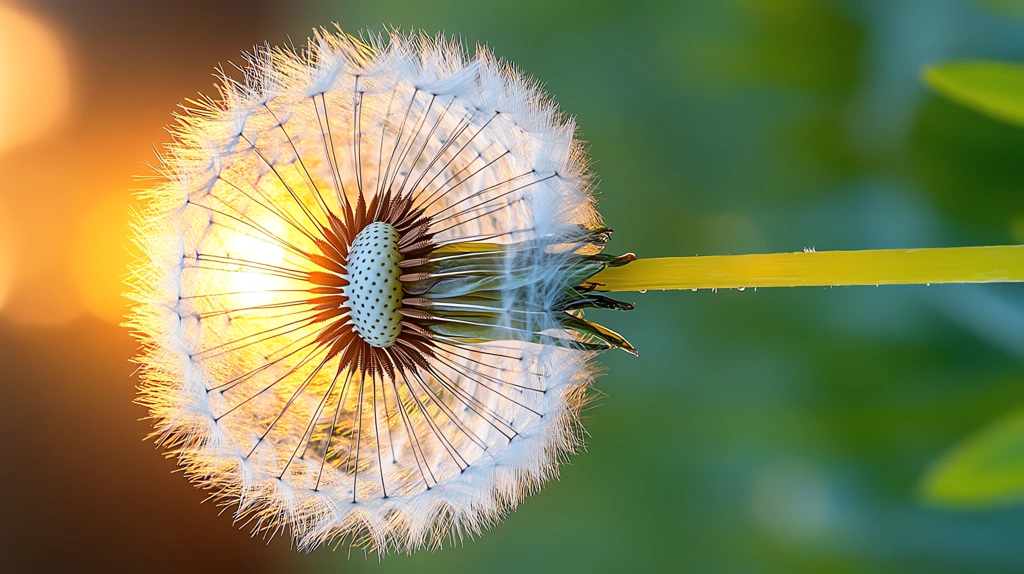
{"type": "Point", "coordinates": [250, 368]}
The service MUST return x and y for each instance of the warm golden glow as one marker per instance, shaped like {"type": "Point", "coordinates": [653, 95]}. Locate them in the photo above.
{"type": "Point", "coordinates": [39, 301]}
{"type": "Point", "coordinates": [34, 80]}
{"type": "Point", "coordinates": [99, 258]}
{"type": "Point", "coordinates": [6, 263]}
{"type": "Point", "coordinates": [35, 273]}
{"type": "Point", "coordinates": [255, 287]}
{"type": "Point", "coordinates": [879, 267]}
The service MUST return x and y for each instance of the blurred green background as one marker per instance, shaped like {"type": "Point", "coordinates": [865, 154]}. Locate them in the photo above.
{"type": "Point", "coordinates": [782, 430]}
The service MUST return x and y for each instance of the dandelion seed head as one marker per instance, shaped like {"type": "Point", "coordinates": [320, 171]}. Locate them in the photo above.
{"type": "Point", "coordinates": [360, 302]}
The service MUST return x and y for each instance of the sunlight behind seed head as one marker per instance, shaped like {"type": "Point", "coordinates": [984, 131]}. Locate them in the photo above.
{"type": "Point", "coordinates": [35, 92]}
{"type": "Point", "coordinates": [256, 287]}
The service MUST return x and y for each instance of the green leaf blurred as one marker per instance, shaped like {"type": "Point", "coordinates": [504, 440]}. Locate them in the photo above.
{"type": "Point", "coordinates": [994, 88]}
{"type": "Point", "coordinates": [1006, 8]}
{"type": "Point", "coordinates": [986, 469]}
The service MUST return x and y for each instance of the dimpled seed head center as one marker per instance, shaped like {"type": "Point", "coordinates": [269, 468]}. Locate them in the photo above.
{"type": "Point", "coordinates": [374, 291]}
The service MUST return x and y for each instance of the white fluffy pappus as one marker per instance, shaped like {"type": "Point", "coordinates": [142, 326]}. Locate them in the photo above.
{"type": "Point", "coordinates": [303, 393]}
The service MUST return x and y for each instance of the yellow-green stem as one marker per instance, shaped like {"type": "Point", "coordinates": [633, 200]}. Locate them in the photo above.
{"type": "Point", "coordinates": [807, 269]}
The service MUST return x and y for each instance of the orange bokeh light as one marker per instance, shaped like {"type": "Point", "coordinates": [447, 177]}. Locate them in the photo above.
{"type": "Point", "coordinates": [35, 94]}
{"type": "Point", "coordinates": [35, 88]}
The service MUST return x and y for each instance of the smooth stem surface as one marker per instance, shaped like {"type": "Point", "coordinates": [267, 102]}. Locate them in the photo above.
{"type": "Point", "coordinates": [807, 269]}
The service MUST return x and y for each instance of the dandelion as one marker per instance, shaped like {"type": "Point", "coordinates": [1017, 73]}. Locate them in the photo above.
{"type": "Point", "coordinates": [360, 304]}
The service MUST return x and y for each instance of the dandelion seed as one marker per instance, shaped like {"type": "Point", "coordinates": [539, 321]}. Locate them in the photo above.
{"type": "Point", "coordinates": [360, 301]}
{"type": "Point", "coordinates": [360, 304]}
